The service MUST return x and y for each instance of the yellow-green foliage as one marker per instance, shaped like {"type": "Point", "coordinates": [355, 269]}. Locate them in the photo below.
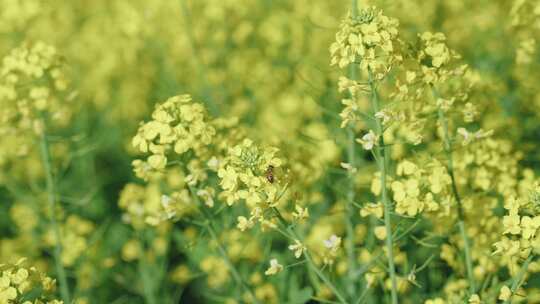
{"type": "Point", "coordinates": [237, 151]}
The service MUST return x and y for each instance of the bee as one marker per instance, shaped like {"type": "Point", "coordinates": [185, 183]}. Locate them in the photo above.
{"type": "Point", "coordinates": [270, 174]}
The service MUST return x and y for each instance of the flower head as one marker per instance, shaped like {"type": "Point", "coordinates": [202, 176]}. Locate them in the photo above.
{"type": "Point", "coordinates": [369, 140]}
{"type": "Point", "coordinates": [298, 248]}
{"type": "Point", "coordinates": [275, 267]}
{"type": "Point", "coordinates": [370, 38]}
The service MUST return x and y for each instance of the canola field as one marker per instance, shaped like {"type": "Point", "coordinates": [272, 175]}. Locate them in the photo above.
{"type": "Point", "coordinates": [269, 151]}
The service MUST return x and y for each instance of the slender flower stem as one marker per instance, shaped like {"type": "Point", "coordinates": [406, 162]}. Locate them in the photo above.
{"type": "Point", "coordinates": [461, 216]}
{"type": "Point", "coordinates": [382, 152]}
{"type": "Point", "coordinates": [51, 197]}
{"type": "Point", "coordinates": [147, 280]}
{"type": "Point", "coordinates": [517, 281]}
{"type": "Point", "coordinates": [209, 227]}
{"type": "Point", "coordinates": [349, 240]}
{"type": "Point", "coordinates": [324, 278]}
{"type": "Point", "coordinates": [309, 259]}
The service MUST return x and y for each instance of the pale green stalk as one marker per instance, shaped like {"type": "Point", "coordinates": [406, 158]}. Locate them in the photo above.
{"type": "Point", "coordinates": [148, 293]}
{"type": "Point", "coordinates": [147, 285]}
{"type": "Point", "coordinates": [461, 217]}
{"type": "Point", "coordinates": [382, 161]}
{"type": "Point", "coordinates": [51, 197]}
{"type": "Point", "coordinates": [349, 213]}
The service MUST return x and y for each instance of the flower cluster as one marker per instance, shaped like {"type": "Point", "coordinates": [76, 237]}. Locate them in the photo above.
{"type": "Point", "coordinates": [409, 198]}
{"type": "Point", "coordinates": [32, 82]}
{"type": "Point", "coordinates": [525, 16]}
{"type": "Point", "coordinates": [29, 77]}
{"type": "Point", "coordinates": [415, 189]}
{"type": "Point", "coordinates": [371, 38]}
{"type": "Point", "coordinates": [332, 246]}
{"type": "Point", "coordinates": [20, 284]}
{"type": "Point", "coordinates": [249, 173]}
{"type": "Point", "coordinates": [178, 125]}
{"type": "Point", "coordinates": [74, 238]}
{"type": "Point", "coordinates": [436, 59]}
{"type": "Point", "coordinates": [441, 124]}
{"type": "Point", "coordinates": [275, 267]}
{"type": "Point", "coordinates": [216, 269]}
{"type": "Point", "coordinates": [521, 224]}
{"type": "Point", "coordinates": [147, 205]}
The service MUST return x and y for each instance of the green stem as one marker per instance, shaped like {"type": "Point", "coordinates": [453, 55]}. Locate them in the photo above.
{"type": "Point", "coordinates": [51, 197]}
{"type": "Point", "coordinates": [208, 225]}
{"type": "Point", "coordinates": [468, 258]}
{"type": "Point", "coordinates": [309, 259]}
{"type": "Point", "coordinates": [382, 165]}
{"type": "Point", "coordinates": [518, 280]}
{"type": "Point", "coordinates": [324, 278]}
{"type": "Point", "coordinates": [147, 280]}
{"type": "Point", "coordinates": [349, 213]}
{"type": "Point", "coordinates": [461, 216]}
{"type": "Point", "coordinates": [349, 240]}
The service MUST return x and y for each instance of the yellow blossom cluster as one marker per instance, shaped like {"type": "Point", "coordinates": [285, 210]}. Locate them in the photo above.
{"type": "Point", "coordinates": [520, 224]}
{"type": "Point", "coordinates": [436, 58]}
{"type": "Point", "coordinates": [369, 38]}
{"type": "Point", "coordinates": [74, 238]}
{"type": "Point", "coordinates": [332, 246]}
{"type": "Point", "coordinates": [216, 269]}
{"type": "Point", "coordinates": [247, 173]}
{"type": "Point", "coordinates": [457, 172]}
{"type": "Point", "coordinates": [250, 173]}
{"type": "Point", "coordinates": [32, 86]}
{"type": "Point", "coordinates": [525, 17]}
{"type": "Point", "coordinates": [407, 194]}
{"type": "Point", "coordinates": [147, 205]}
{"type": "Point", "coordinates": [21, 284]}
{"type": "Point", "coordinates": [415, 184]}
{"type": "Point", "coordinates": [178, 125]}
{"type": "Point", "coordinates": [416, 188]}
